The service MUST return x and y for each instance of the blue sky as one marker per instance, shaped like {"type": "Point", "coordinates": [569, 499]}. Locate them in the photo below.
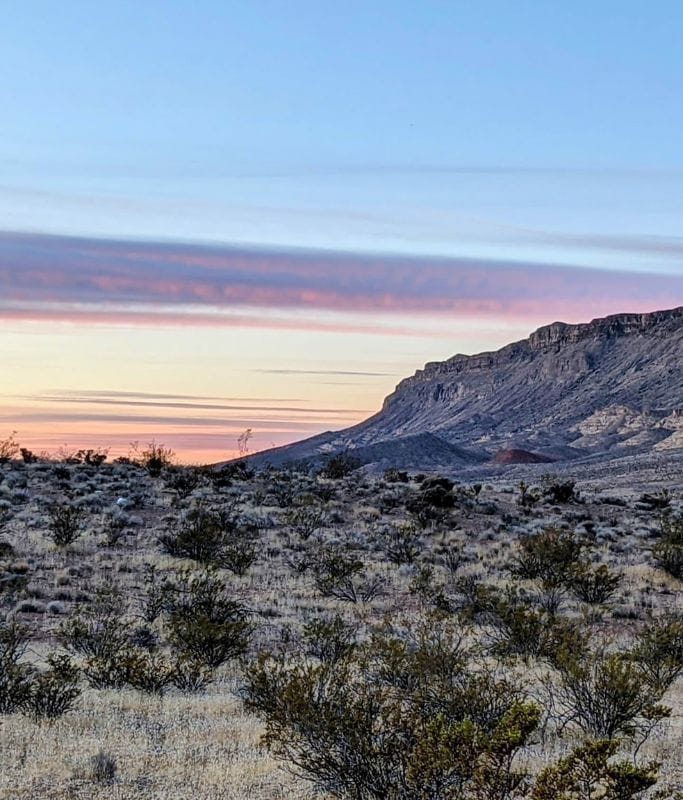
{"type": "Point", "coordinates": [530, 136]}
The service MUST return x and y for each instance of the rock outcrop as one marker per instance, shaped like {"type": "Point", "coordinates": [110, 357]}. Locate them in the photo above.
{"type": "Point", "coordinates": [594, 390]}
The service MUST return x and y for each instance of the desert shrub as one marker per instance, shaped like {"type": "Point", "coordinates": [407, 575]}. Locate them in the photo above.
{"type": "Point", "coordinates": [429, 589]}
{"type": "Point", "coordinates": [394, 475]}
{"type": "Point", "coordinates": [559, 491]}
{"type": "Point", "coordinates": [102, 636]}
{"type": "Point", "coordinates": [659, 501]}
{"type": "Point", "coordinates": [201, 538]}
{"type": "Point", "coordinates": [15, 677]}
{"type": "Point", "coordinates": [158, 595]}
{"type": "Point", "coordinates": [305, 519]}
{"type": "Point", "coordinates": [191, 675]}
{"type": "Point", "coordinates": [528, 497]}
{"type": "Point", "coordinates": [154, 458]}
{"type": "Point", "coordinates": [54, 691]}
{"type": "Point", "coordinates": [432, 502]}
{"type": "Point", "coordinates": [404, 715]}
{"type": "Point", "coordinates": [65, 524]}
{"type": "Point", "coordinates": [474, 597]}
{"type": "Point", "coordinates": [329, 640]}
{"type": "Point", "coordinates": [9, 448]}
{"type": "Point", "coordinates": [151, 673]}
{"type": "Point", "coordinates": [551, 558]}
{"type": "Point", "coordinates": [606, 694]}
{"type": "Point", "coordinates": [182, 480]}
{"type": "Point", "coordinates": [342, 575]}
{"type": "Point", "coordinates": [668, 552]}
{"type": "Point", "coordinates": [594, 585]}
{"type": "Point", "coordinates": [403, 544]}
{"type": "Point", "coordinates": [658, 651]}
{"type": "Point", "coordinates": [516, 628]}
{"type": "Point", "coordinates": [114, 529]}
{"type": "Point", "coordinates": [28, 456]}
{"type": "Point", "coordinates": [13, 579]}
{"type": "Point", "coordinates": [93, 458]}
{"type": "Point", "coordinates": [340, 465]}
{"type": "Point", "coordinates": [238, 556]}
{"type": "Point", "coordinates": [589, 773]}
{"type": "Point", "coordinates": [212, 538]}
{"type": "Point", "coordinates": [102, 767]}
{"type": "Point", "coordinates": [206, 624]}
{"type": "Point", "coordinates": [451, 558]}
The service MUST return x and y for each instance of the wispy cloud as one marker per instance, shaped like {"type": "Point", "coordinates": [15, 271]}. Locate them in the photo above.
{"type": "Point", "coordinates": [261, 407]}
{"type": "Point", "coordinates": [360, 373]}
{"type": "Point", "coordinates": [90, 280]}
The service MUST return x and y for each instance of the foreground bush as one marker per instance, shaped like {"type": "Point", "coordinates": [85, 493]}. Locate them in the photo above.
{"type": "Point", "coordinates": [403, 716]}
{"type": "Point", "coordinates": [412, 715]}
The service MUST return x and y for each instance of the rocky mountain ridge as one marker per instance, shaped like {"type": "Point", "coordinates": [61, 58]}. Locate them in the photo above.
{"type": "Point", "coordinates": [602, 389]}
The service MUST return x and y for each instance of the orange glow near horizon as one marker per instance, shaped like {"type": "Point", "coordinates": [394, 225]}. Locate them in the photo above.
{"type": "Point", "coordinates": [196, 389]}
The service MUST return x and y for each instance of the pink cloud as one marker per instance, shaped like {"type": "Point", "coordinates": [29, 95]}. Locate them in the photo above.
{"type": "Point", "coordinates": [86, 280]}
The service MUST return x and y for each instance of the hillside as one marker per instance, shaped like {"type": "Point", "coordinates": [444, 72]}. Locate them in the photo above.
{"type": "Point", "coordinates": [608, 388]}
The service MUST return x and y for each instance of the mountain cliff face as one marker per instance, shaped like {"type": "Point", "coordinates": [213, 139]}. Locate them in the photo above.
{"type": "Point", "coordinates": [609, 387]}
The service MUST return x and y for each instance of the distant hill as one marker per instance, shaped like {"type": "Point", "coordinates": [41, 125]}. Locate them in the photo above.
{"type": "Point", "coordinates": [602, 389]}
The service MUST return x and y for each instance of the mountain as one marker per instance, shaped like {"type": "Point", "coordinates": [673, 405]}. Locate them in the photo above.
{"type": "Point", "coordinates": [597, 390]}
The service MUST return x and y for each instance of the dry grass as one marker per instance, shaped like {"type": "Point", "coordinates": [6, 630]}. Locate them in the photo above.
{"type": "Point", "coordinates": [206, 747]}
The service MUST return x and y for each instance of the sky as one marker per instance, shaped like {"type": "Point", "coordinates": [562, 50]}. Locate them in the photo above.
{"type": "Point", "coordinates": [225, 215]}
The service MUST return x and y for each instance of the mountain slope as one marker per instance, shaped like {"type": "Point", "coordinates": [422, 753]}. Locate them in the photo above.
{"type": "Point", "coordinates": [604, 388]}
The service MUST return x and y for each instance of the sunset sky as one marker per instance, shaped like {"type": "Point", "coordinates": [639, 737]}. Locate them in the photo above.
{"type": "Point", "coordinates": [226, 215]}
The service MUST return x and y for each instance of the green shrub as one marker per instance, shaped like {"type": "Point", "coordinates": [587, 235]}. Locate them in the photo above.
{"type": "Point", "coordinates": [340, 466]}
{"type": "Point", "coordinates": [594, 585]}
{"type": "Point", "coordinates": [403, 544]}
{"type": "Point", "coordinates": [658, 651]}
{"type": "Point", "coordinates": [402, 716]}
{"type": "Point", "coordinates": [102, 636]}
{"type": "Point", "coordinates": [606, 695]}
{"type": "Point", "coordinates": [65, 524]}
{"type": "Point", "coordinates": [668, 552]}
{"type": "Point", "coordinates": [552, 558]}
{"type": "Point", "coordinates": [205, 624]}
{"type": "Point", "coordinates": [589, 773]}
{"type": "Point", "coordinates": [342, 575]}
{"type": "Point", "coordinates": [54, 691]}
{"type": "Point", "coordinates": [151, 673]}
{"type": "Point", "coordinates": [15, 677]}
{"type": "Point", "coordinates": [329, 640]}
{"type": "Point", "coordinates": [212, 538]}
